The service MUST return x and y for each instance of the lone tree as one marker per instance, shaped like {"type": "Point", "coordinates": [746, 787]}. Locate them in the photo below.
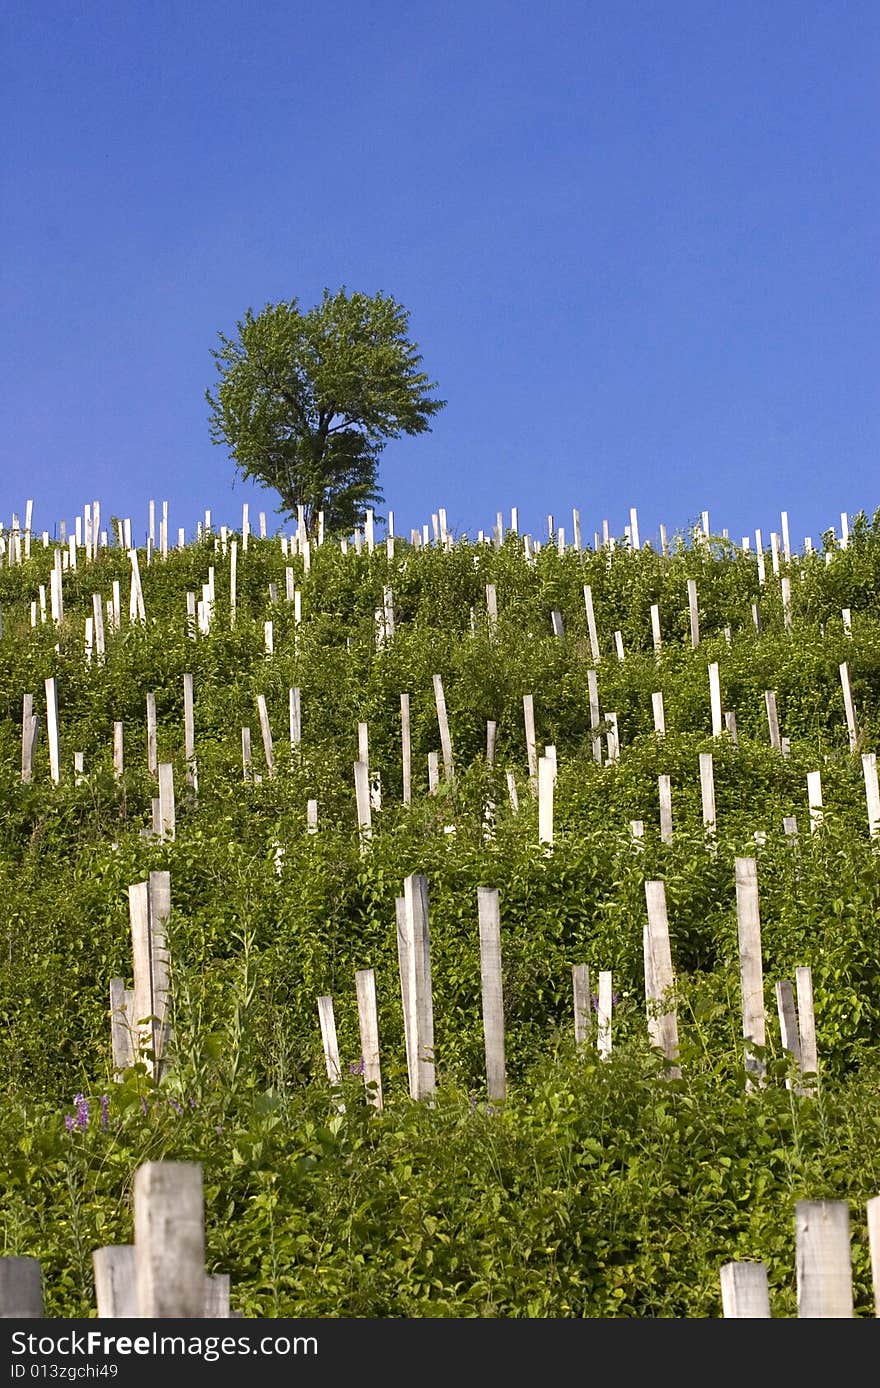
{"type": "Point", "coordinates": [307, 401]}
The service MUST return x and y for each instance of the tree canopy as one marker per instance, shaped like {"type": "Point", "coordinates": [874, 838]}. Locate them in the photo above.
{"type": "Point", "coordinates": [306, 401]}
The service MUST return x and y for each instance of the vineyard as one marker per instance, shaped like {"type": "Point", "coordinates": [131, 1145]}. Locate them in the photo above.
{"type": "Point", "coordinates": [495, 920]}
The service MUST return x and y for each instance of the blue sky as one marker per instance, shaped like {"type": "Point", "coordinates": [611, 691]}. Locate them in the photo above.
{"type": "Point", "coordinates": [638, 243]}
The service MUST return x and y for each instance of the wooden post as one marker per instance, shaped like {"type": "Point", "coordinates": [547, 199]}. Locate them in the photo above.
{"type": "Point", "coordinates": [21, 1289]}
{"type": "Point", "coordinates": [493, 999]}
{"type": "Point", "coordinates": [233, 574]}
{"type": "Point", "coordinates": [580, 984]}
{"type": "Point", "coordinates": [118, 749]}
{"type": "Point", "coordinates": [665, 789]}
{"type": "Point", "coordinates": [160, 965]}
{"type": "Point", "coordinates": [546, 776]}
{"type": "Point", "coordinates": [531, 745]}
{"type": "Point", "coordinates": [693, 612]}
{"type": "Point", "coordinates": [744, 1290]}
{"type": "Point", "coordinates": [707, 791]}
{"type": "Point", "coordinates": [445, 739]}
{"type": "Point", "coordinates": [115, 1281]}
{"type": "Point", "coordinates": [406, 749]}
{"type": "Point", "coordinates": [362, 801]}
{"type": "Point", "coordinates": [166, 800]}
{"type": "Point", "coordinates": [659, 713]}
{"type": "Point", "coordinates": [595, 714]}
{"type": "Point", "coordinates": [618, 644]}
{"type": "Point", "coordinates": [772, 718]}
{"type": "Point", "coordinates": [189, 734]}
{"type": "Point", "coordinates": [294, 718]}
{"type": "Point", "coordinates": [246, 762]}
{"type": "Point", "coordinates": [419, 992]}
{"type": "Point", "coordinates": [872, 792]}
{"type": "Point", "coordinates": [788, 1024]}
{"type": "Point", "coordinates": [715, 699]}
{"type": "Point", "coordinates": [143, 1010]}
{"type": "Point", "coordinates": [512, 794]}
{"type": "Point", "coordinates": [873, 1211]}
{"type": "Point", "coordinates": [591, 624]}
{"type": "Point", "coordinates": [98, 623]}
{"type": "Point", "coordinates": [217, 1288]}
{"type": "Point", "coordinates": [785, 584]}
{"type": "Point", "coordinates": [814, 799]}
{"type": "Point", "coordinates": [403, 964]}
{"type": "Point", "coordinates": [656, 634]}
{"type": "Point", "coordinates": [52, 729]}
{"type": "Point", "coordinates": [660, 979]}
{"type": "Point", "coordinates": [806, 1028]}
{"type": "Point", "coordinates": [152, 753]}
{"type": "Point", "coordinates": [750, 967]}
{"type": "Point", "coordinates": [851, 725]}
{"type": "Point", "coordinates": [491, 608]}
{"type": "Point", "coordinates": [368, 1024]}
{"type": "Point", "coordinates": [603, 1014]}
{"type": "Point", "coordinates": [123, 1030]}
{"type": "Point", "coordinates": [266, 734]}
{"type": "Point", "coordinates": [169, 1240]}
{"type": "Point", "coordinates": [823, 1259]}
{"type": "Point", "coordinates": [29, 727]}
{"type": "Point", "coordinates": [730, 725]}
{"type": "Point", "coordinates": [329, 1042]}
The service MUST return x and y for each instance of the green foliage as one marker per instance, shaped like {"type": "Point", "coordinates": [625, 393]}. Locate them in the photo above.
{"type": "Point", "coordinates": [307, 400]}
{"type": "Point", "coordinates": [599, 1187]}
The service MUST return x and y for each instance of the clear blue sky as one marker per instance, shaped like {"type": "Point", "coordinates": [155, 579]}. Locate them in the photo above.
{"type": "Point", "coordinates": [638, 243]}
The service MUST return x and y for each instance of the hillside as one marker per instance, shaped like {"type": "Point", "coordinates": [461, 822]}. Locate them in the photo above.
{"type": "Point", "coordinates": [229, 713]}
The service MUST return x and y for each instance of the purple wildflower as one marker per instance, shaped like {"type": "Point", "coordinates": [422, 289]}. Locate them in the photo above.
{"type": "Point", "coordinates": [68, 1122]}
{"type": "Point", "coordinates": [105, 1112]}
{"type": "Point", "coordinates": [178, 1108]}
{"type": "Point", "coordinates": [81, 1120]}
{"type": "Point", "coordinates": [357, 1067]}
{"type": "Point", "coordinates": [145, 1108]}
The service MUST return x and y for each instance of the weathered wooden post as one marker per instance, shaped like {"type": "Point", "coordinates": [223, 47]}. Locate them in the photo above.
{"type": "Point", "coordinates": [693, 613]}
{"type": "Point", "coordinates": [445, 738]}
{"type": "Point", "coordinates": [330, 1045]}
{"type": "Point", "coordinates": [824, 1259]}
{"type": "Point", "coordinates": [750, 967]}
{"type": "Point", "coordinates": [419, 992]}
{"type": "Point", "coordinates": [189, 734]}
{"type": "Point", "coordinates": [803, 975]}
{"type": "Point", "coordinates": [656, 633]}
{"type": "Point", "coordinates": [115, 1281]}
{"type": "Point", "coordinates": [21, 1289]}
{"type": "Point", "coordinates": [580, 985]}
{"type": "Point", "coordinates": [152, 752]}
{"type": "Point", "coordinates": [294, 719]}
{"type": "Point", "coordinates": [660, 978]}
{"type": "Point", "coordinates": [772, 718]}
{"type": "Point", "coordinates": [493, 998]}
{"type": "Point", "coordinates": [546, 778]}
{"type": "Point", "coordinates": [123, 1028]}
{"type": "Point", "coordinates": [872, 792]}
{"type": "Point", "coordinates": [491, 608]}
{"type": "Point", "coordinates": [167, 823]}
{"type": "Point", "coordinates": [266, 734]}
{"type": "Point", "coordinates": [406, 749]}
{"type": "Point", "coordinates": [362, 801]}
{"type": "Point", "coordinates": [659, 713]}
{"type": "Point", "coordinates": [29, 727]}
{"type": "Point", "coordinates": [744, 1290]}
{"type": "Point", "coordinates": [715, 699]}
{"type": "Point", "coordinates": [169, 1240]}
{"type": "Point", "coordinates": [603, 1013]}
{"type": "Point", "coordinates": [531, 742]}
{"type": "Point", "coordinates": [707, 791]}
{"type": "Point", "coordinates": [873, 1212]}
{"type": "Point", "coordinates": [591, 624]}
{"type": "Point", "coordinates": [246, 758]}
{"type": "Point", "coordinates": [851, 724]}
{"type": "Point", "coordinates": [665, 791]}
{"type": "Point", "coordinates": [595, 714]}
{"type": "Point", "coordinates": [789, 1034]}
{"type": "Point", "coordinates": [368, 1026]}
{"type": "Point", "coordinates": [52, 733]}
{"type": "Point", "coordinates": [814, 799]}
{"type": "Point", "coordinates": [118, 749]}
